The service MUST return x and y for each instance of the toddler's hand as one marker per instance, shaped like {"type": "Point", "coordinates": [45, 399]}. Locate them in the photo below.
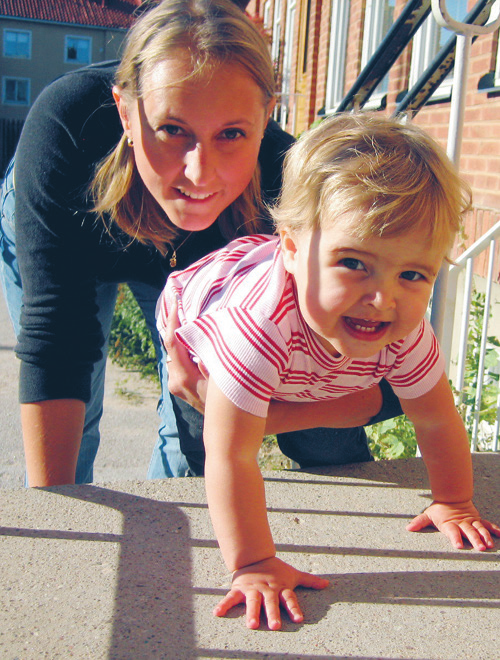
{"type": "Point", "coordinates": [457, 520]}
{"type": "Point", "coordinates": [268, 584]}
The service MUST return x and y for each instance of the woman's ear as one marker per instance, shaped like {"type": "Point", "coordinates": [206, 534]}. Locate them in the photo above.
{"type": "Point", "coordinates": [288, 249]}
{"type": "Point", "coordinates": [270, 108]}
{"type": "Point", "coordinates": [122, 110]}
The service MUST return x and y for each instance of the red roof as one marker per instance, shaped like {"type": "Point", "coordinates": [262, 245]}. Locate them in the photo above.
{"type": "Point", "coordinates": [99, 13]}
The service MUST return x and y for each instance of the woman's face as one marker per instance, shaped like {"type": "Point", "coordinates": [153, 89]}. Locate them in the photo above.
{"type": "Point", "coordinates": [195, 141]}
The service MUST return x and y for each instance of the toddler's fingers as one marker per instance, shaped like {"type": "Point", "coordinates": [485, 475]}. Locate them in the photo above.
{"type": "Point", "coordinates": [419, 522]}
{"type": "Point", "coordinates": [272, 609]}
{"type": "Point", "coordinates": [288, 599]}
{"type": "Point", "coordinates": [312, 581]}
{"type": "Point", "coordinates": [493, 528]}
{"type": "Point", "coordinates": [473, 535]}
{"type": "Point", "coordinates": [253, 600]}
{"type": "Point", "coordinates": [232, 598]}
{"type": "Point", "coordinates": [454, 535]}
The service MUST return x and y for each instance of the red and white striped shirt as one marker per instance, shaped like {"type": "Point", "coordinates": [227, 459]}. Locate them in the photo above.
{"type": "Point", "coordinates": [240, 318]}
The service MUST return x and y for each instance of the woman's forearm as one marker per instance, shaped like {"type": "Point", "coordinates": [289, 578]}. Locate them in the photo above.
{"type": "Point", "coordinates": [345, 412]}
{"type": "Point", "coordinates": [52, 433]}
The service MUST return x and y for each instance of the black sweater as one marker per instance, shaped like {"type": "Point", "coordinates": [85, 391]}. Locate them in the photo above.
{"type": "Point", "coordinates": [63, 249]}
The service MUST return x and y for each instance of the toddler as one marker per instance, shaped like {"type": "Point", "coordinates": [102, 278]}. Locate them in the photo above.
{"type": "Point", "coordinates": [368, 213]}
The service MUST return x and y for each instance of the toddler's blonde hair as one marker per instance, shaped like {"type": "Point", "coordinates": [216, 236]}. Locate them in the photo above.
{"type": "Point", "coordinates": [391, 176]}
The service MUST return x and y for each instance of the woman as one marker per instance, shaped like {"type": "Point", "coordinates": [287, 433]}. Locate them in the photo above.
{"type": "Point", "coordinates": [194, 92]}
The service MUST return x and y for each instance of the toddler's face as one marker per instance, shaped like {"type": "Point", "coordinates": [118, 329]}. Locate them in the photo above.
{"type": "Point", "coordinates": [358, 295]}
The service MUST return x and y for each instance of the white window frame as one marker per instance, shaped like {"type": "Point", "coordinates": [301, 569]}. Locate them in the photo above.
{"type": "Point", "coordinates": [24, 32]}
{"type": "Point", "coordinates": [495, 11]}
{"type": "Point", "coordinates": [275, 45]}
{"type": "Point", "coordinates": [287, 61]}
{"type": "Point", "coordinates": [5, 101]}
{"type": "Point", "coordinates": [339, 27]}
{"type": "Point", "coordinates": [373, 33]}
{"type": "Point", "coordinates": [67, 46]}
{"type": "Point", "coordinates": [266, 16]}
{"type": "Point", "coordinates": [425, 48]}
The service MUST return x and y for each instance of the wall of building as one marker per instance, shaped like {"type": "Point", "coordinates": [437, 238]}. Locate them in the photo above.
{"type": "Point", "coordinates": [480, 152]}
{"type": "Point", "coordinates": [47, 60]}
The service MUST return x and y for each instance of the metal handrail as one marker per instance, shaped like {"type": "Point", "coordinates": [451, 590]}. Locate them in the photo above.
{"type": "Point", "coordinates": [465, 262]}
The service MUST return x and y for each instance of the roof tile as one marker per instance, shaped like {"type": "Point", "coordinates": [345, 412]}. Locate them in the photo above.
{"type": "Point", "coordinates": [98, 13]}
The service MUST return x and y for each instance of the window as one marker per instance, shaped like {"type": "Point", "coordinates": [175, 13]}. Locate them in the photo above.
{"type": "Point", "coordinates": [427, 43]}
{"type": "Point", "coordinates": [379, 17]}
{"type": "Point", "coordinates": [15, 91]}
{"type": "Point", "coordinates": [17, 43]}
{"type": "Point", "coordinates": [337, 53]}
{"type": "Point", "coordinates": [77, 50]}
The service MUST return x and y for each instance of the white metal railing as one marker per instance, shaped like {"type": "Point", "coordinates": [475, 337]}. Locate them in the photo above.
{"type": "Point", "coordinates": [459, 321]}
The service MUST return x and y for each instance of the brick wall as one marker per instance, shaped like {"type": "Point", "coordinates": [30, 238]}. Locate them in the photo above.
{"type": "Point", "coordinates": [480, 152]}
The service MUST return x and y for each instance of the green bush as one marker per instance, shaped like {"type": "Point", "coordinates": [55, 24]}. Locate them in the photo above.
{"type": "Point", "coordinates": [490, 383]}
{"type": "Point", "coordinates": [130, 343]}
{"type": "Point", "coordinates": [393, 438]}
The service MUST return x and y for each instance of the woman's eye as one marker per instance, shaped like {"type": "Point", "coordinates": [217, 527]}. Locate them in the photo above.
{"type": "Point", "coordinates": [232, 134]}
{"type": "Point", "coordinates": [412, 276]}
{"type": "Point", "coordinates": [352, 264]}
{"type": "Point", "coordinates": [172, 129]}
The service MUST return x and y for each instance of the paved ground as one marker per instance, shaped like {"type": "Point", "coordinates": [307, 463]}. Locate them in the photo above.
{"type": "Point", "coordinates": [131, 571]}
{"type": "Point", "coordinates": [128, 427]}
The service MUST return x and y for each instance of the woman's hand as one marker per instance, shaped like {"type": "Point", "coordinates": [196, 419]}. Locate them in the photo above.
{"type": "Point", "coordinates": [269, 584]}
{"type": "Point", "coordinates": [186, 379]}
{"type": "Point", "coordinates": [457, 520]}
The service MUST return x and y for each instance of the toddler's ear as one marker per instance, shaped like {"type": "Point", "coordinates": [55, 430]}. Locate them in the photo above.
{"type": "Point", "coordinates": [288, 249]}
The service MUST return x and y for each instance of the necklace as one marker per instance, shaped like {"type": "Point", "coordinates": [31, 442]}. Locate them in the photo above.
{"type": "Point", "coordinates": [173, 258]}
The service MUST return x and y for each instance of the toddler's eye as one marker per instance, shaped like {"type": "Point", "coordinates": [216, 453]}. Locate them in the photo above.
{"type": "Point", "coordinates": [352, 264]}
{"type": "Point", "coordinates": [412, 276]}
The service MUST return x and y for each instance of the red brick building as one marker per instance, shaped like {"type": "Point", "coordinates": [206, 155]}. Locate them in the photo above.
{"type": "Point", "coordinates": [320, 47]}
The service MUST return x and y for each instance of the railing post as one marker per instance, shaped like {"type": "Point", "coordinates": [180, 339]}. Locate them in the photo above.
{"type": "Point", "coordinates": [484, 342]}
{"type": "Point", "coordinates": [465, 32]}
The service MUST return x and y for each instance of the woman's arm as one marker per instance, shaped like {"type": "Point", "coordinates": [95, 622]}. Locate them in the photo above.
{"type": "Point", "coordinates": [236, 499]}
{"type": "Point", "coordinates": [348, 411]}
{"type": "Point", "coordinates": [66, 132]}
{"type": "Point", "coordinates": [188, 381]}
{"type": "Point", "coordinates": [444, 445]}
{"type": "Point", "coordinates": [52, 432]}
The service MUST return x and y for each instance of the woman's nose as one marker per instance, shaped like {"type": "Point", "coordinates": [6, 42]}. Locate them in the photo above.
{"type": "Point", "coordinates": [199, 165]}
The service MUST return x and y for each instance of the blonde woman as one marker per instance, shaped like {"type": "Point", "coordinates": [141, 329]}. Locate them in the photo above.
{"type": "Point", "coordinates": [168, 144]}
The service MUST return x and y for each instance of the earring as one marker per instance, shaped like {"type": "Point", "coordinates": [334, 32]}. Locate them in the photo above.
{"type": "Point", "coordinates": [130, 142]}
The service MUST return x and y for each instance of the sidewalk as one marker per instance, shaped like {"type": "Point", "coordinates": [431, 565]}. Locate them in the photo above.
{"type": "Point", "coordinates": [128, 569]}
{"type": "Point", "coordinates": [131, 571]}
{"type": "Point", "coordinates": [128, 427]}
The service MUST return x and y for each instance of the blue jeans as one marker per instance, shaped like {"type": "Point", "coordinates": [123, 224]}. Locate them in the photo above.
{"type": "Point", "coordinates": [167, 459]}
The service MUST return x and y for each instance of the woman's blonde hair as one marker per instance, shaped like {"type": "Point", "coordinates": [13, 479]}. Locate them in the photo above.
{"type": "Point", "coordinates": [211, 33]}
{"type": "Point", "coordinates": [391, 176]}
